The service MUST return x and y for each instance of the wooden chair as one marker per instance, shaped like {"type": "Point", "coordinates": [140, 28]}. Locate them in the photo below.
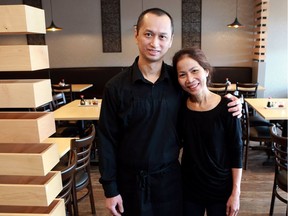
{"type": "Point", "coordinates": [47, 107]}
{"type": "Point", "coordinates": [248, 90]}
{"type": "Point", "coordinates": [59, 100]}
{"type": "Point", "coordinates": [82, 176]}
{"type": "Point", "coordinates": [281, 163]}
{"type": "Point", "coordinates": [64, 128]}
{"type": "Point", "coordinates": [67, 169]}
{"type": "Point", "coordinates": [218, 88]}
{"type": "Point", "coordinates": [254, 133]}
{"type": "Point", "coordinates": [66, 89]}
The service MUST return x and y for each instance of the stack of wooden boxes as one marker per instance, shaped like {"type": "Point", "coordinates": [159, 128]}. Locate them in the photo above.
{"type": "Point", "coordinates": [27, 184]}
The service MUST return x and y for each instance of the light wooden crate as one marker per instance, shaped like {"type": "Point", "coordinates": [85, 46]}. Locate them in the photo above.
{"type": "Point", "coordinates": [25, 93]}
{"type": "Point", "coordinates": [23, 57]}
{"type": "Point", "coordinates": [30, 190]}
{"type": "Point", "coordinates": [26, 127]}
{"type": "Point", "coordinates": [27, 159]}
{"type": "Point", "coordinates": [56, 208]}
{"type": "Point", "coordinates": [21, 19]}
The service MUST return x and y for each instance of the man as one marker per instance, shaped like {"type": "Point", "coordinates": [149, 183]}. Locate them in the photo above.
{"type": "Point", "coordinates": [139, 147]}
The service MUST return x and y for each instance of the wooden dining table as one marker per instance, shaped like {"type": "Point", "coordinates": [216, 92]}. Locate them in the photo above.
{"type": "Point", "coordinates": [270, 113]}
{"type": "Point", "coordinates": [75, 111]}
{"type": "Point", "coordinates": [80, 87]}
{"type": "Point", "coordinates": [275, 113]}
{"type": "Point", "coordinates": [75, 88]}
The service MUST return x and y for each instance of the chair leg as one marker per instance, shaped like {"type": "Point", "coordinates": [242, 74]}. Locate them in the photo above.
{"type": "Point", "coordinates": [74, 201]}
{"type": "Point", "coordinates": [246, 154]}
{"type": "Point", "coordinates": [273, 198]}
{"type": "Point", "coordinates": [91, 196]}
{"type": "Point", "coordinates": [69, 207]}
{"type": "Point", "coordinates": [269, 149]}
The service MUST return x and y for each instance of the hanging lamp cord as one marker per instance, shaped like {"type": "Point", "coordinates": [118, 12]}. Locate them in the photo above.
{"type": "Point", "coordinates": [236, 8]}
{"type": "Point", "coordinates": [51, 10]}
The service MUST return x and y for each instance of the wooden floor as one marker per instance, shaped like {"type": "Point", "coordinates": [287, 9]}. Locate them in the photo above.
{"type": "Point", "coordinates": [256, 188]}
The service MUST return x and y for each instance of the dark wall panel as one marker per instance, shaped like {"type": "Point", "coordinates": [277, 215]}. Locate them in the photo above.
{"type": "Point", "coordinates": [111, 25]}
{"type": "Point", "coordinates": [191, 23]}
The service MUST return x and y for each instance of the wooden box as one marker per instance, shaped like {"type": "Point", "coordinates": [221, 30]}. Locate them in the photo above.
{"type": "Point", "coordinates": [22, 19]}
{"type": "Point", "coordinates": [29, 93]}
{"type": "Point", "coordinates": [56, 208]}
{"type": "Point", "coordinates": [23, 57]}
{"type": "Point", "coordinates": [30, 190]}
{"type": "Point", "coordinates": [28, 159]}
{"type": "Point", "coordinates": [26, 127]}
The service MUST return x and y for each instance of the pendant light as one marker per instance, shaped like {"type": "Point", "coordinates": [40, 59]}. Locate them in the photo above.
{"type": "Point", "coordinates": [236, 23]}
{"type": "Point", "coordinates": [52, 27]}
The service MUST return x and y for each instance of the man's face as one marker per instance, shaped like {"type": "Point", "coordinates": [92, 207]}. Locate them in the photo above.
{"type": "Point", "coordinates": [154, 37]}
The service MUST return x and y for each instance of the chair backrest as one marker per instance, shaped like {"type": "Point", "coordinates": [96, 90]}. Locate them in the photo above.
{"type": "Point", "coordinates": [83, 148]}
{"type": "Point", "coordinates": [245, 124]}
{"type": "Point", "coordinates": [47, 107]}
{"type": "Point", "coordinates": [279, 144]}
{"type": "Point", "coordinates": [59, 100]}
{"type": "Point", "coordinates": [248, 90]}
{"type": "Point", "coordinates": [281, 163]}
{"type": "Point", "coordinates": [218, 88]}
{"type": "Point", "coordinates": [280, 148]}
{"type": "Point", "coordinates": [68, 176]}
{"type": "Point", "coordinates": [66, 89]}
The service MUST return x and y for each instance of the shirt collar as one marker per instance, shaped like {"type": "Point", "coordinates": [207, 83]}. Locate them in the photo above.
{"type": "Point", "coordinates": [137, 75]}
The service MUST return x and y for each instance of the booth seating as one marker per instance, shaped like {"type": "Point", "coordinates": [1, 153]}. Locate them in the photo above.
{"type": "Point", "coordinates": [98, 76]}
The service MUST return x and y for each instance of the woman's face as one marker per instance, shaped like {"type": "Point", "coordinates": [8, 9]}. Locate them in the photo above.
{"type": "Point", "coordinates": [191, 76]}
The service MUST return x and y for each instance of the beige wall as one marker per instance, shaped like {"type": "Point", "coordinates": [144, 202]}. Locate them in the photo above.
{"type": "Point", "coordinates": [227, 46]}
{"type": "Point", "coordinates": [275, 77]}
{"type": "Point", "coordinates": [80, 44]}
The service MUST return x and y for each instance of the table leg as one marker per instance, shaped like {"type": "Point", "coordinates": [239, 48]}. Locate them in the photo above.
{"type": "Point", "coordinates": [284, 131]}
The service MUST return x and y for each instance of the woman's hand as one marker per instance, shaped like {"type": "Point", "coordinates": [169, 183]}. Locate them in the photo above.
{"type": "Point", "coordinates": [233, 205]}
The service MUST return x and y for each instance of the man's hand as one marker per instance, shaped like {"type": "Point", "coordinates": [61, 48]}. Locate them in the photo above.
{"type": "Point", "coordinates": [115, 205]}
{"type": "Point", "coordinates": [235, 105]}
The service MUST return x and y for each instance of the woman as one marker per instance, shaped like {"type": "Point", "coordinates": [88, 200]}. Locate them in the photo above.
{"type": "Point", "coordinates": [212, 146]}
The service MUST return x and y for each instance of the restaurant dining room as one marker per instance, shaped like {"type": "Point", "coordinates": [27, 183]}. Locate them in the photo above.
{"type": "Point", "coordinates": [56, 58]}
